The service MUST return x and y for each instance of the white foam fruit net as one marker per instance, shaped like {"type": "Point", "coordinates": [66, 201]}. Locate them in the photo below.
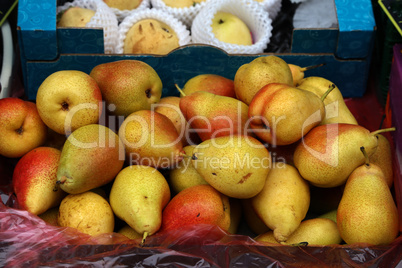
{"type": "Point", "coordinates": [185, 14]}
{"type": "Point", "coordinates": [183, 34]}
{"type": "Point", "coordinates": [103, 18]}
{"type": "Point", "coordinates": [249, 11]}
{"type": "Point", "coordinates": [121, 14]}
{"type": "Point", "coordinates": [272, 6]}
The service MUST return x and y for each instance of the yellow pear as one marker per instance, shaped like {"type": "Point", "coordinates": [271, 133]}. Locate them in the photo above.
{"type": "Point", "coordinates": [151, 139]}
{"type": "Point", "coordinates": [75, 17]}
{"type": "Point", "coordinates": [312, 232]}
{"type": "Point", "coordinates": [138, 196]}
{"type": "Point", "coordinates": [123, 4]}
{"type": "Point", "coordinates": [50, 216]}
{"type": "Point", "coordinates": [298, 72]}
{"type": "Point", "coordinates": [181, 3]}
{"type": "Point", "coordinates": [184, 175]}
{"type": "Point", "coordinates": [91, 157]}
{"type": "Point", "coordinates": [382, 157]}
{"type": "Point", "coordinates": [284, 201]}
{"type": "Point", "coordinates": [150, 36]}
{"type": "Point", "coordinates": [367, 212]}
{"type": "Point", "coordinates": [87, 212]}
{"type": "Point", "coordinates": [329, 153]}
{"type": "Point", "coordinates": [253, 221]}
{"type": "Point", "coordinates": [336, 110]}
{"type": "Point", "coordinates": [234, 165]}
{"type": "Point", "coordinates": [236, 213]}
{"type": "Point", "coordinates": [330, 215]}
{"type": "Point", "coordinates": [129, 232]}
{"type": "Point", "coordinates": [252, 76]}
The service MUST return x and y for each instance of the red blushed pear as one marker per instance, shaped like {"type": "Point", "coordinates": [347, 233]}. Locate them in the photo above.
{"type": "Point", "coordinates": [212, 83]}
{"type": "Point", "coordinates": [151, 139]}
{"type": "Point", "coordinates": [213, 116]}
{"type": "Point", "coordinates": [34, 179]}
{"type": "Point", "coordinates": [329, 153]}
{"type": "Point", "coordinates": [21, 128]}
{"type": "Point", "coordinates": [200, 204]}
{"type": "Point", "coordinates": [281, 114]}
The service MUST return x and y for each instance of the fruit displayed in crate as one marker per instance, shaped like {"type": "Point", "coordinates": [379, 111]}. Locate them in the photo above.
{"type": "Point", "coordinates": [141, 166]}
{"type": "Point", "coordinates": [75, 17]}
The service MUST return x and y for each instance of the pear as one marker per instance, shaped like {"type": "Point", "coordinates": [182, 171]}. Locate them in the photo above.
{"type": "Point", "coordinates": [213, 116]}
{"type": "Point", "coordinates": [252, 76]}
{"type": "Point", "coordinates": [253, 221]}
{"type": "Point", "coordinates": [170, 107]}
{"type": "Point", "coordinates": [234, 165]}
{"type": "Point", "coordinates": [330, 215]}
{"type": "Point", "coordinates": [138, 196]}
{"type": "Point", "coordinates": [129, 232]}
{"type": "Point", "coordinates": [184, 175]}
{"type": "Point", "coordinates": [75, 17]}
{"type": "Point", "coordinates": [151, 139]}
{"type": "Point", "coordinates": [127, 85]}
{"type": "Point", "coordinates": [34, 177]}
{"type": "Point", "coordinates": [312, 232]}
{"type": "Point", "coordinates": [150, 36]}
{"type": "Point", "coordinates": [283, 202]}
{"type": "Point", "coordinates": [336, 110]}
{"type": "Point", "coordinates": [91, 157]}
{"type": "Point", "coordinates": [212, 83]}
{"type": "Point", "coordinates": [329, 153]}
{"type": "Point", "coordinates": [87, 212]}
{"type": "Point", "coordinates": [298, 72]}
{"type": "Point", "coordinates": [235, 215]}
{"type": "Point", "coordinates": [200, 204]}
{"type": "Point", "coordinates": [50, 216]}
{"type": "Point", "coordinates": [367, 212]}
{"type": "Point", "coordinates": [382, 157]}
{"type": "Point", "coordinates": [281, 114]}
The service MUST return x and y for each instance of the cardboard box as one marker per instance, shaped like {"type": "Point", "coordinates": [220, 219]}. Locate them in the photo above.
{"type": "Point", "coordinates": [346, 50]}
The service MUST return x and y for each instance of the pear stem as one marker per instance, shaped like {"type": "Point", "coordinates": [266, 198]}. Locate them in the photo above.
{"type": "Point", "coordinates": [331, 87]}
{"type": "Point", "coordinates": [312, 67]}
{"type": "Point", "coordinates": [179, 89]}
{"type": "Point", "coordinates": [366, 156]}
{"type": "Point", "coordinates": [144, 236]}
{"type": "Point", "coordinates": [383, 130]}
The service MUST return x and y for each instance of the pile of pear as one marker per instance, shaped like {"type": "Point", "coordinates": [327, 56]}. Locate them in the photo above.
{"type": "Point", "coordinates": [271, 151]}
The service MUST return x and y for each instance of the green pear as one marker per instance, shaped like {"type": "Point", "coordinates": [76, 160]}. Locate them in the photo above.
{"type": "Point", "coordinates": [283, 202]}
{"type": "Point", "coordinates": [151, 139]}
{"type": "Point", "coordinates": [91, 157]}
{"type": "Point", "coordinates": [234, 165]}
{"type": "Point", "coordinates": [330, 215]}
{"type": "Point", "coordinates": [313, 232]}
{"type": "Point", "coordinates": [138, 196]}
{"type": "Point", "coordinates": [336, 110]}
{"type": "Point", "coordinates": [213, 116]}
{"type": "Point", "coordinates": [185, 175]}
{"type": "Point", "coordinates": [367, 212]}
{"type": "Point", "coordinates": [252, 76]}
{"type": "Point", "coordinates": [128, 85]}
{"type": "Point", "coordinates": [329, 153]}
{"type": "Point", "coordinates": [382, 157]}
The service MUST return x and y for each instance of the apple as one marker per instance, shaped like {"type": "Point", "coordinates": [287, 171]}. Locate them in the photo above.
{"type": "Point", "coordinates": [34, 179]}
{"type": "Point", "coordinates": [231, 29]}
{"type": "Point", "coordinates": [75, 17]}
{"type": "Point", "coordinates": [21, 128]}
{"type": "Point", "coordinates": [212, 83]}
{"type": "Point", "coordinates": [69, 99]}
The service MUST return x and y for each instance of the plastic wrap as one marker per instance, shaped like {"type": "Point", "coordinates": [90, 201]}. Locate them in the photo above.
{"type": "Point", "coordinates": [27, 241]}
